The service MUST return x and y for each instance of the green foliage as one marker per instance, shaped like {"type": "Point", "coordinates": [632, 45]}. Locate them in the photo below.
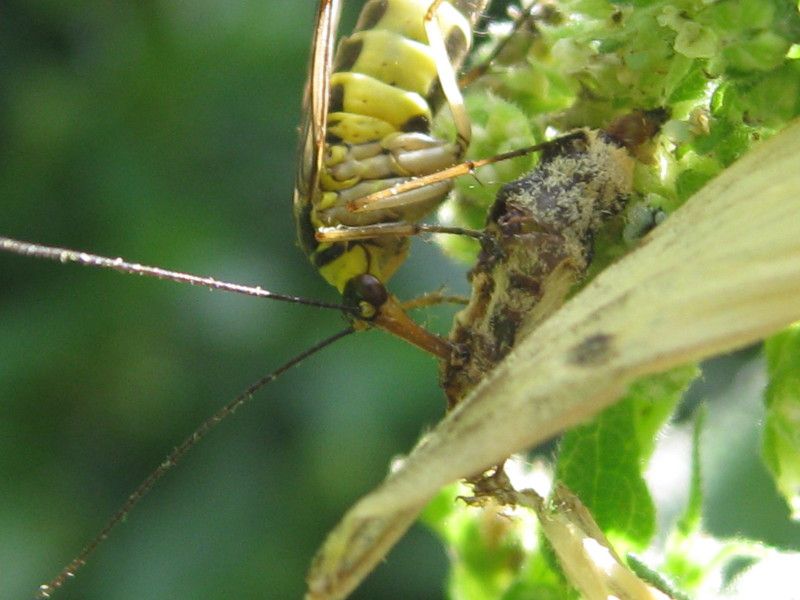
{"type": "Point", "coordinates": [488, 547]}
{"type": "Point", "coordinates": [603, 461]}
{"type": "Point", "coordinates": [492, 555]}
{"type": "Point", "coordinates": [782, 427]}
{"type": "Point", "coordinates": [724, 69]}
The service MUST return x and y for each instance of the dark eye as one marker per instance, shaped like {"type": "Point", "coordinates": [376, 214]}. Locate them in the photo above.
{"type": "Point", "coordinates": [366, 293]}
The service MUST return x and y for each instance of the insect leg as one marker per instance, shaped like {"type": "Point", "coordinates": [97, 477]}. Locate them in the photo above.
{"type": "Point", "coordinates": [390, 197]}
{"type": "Point", "coordinates": [402, 229]}
{"type": "Point", "coordinates": [434, 299]}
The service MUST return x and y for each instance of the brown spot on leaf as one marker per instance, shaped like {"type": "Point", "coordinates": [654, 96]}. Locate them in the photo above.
{"type": "Point", "coordinates": [594, 351]}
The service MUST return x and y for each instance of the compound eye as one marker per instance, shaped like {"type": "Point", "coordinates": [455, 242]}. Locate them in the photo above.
{"type": "Point", "coordinates": [367, 293]}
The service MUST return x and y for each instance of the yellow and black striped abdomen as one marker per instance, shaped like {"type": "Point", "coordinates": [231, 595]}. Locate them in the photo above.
{"type": "Point", "coordinates": [383, 85]}
{"type": "Point", "coordinates": [386, 69]}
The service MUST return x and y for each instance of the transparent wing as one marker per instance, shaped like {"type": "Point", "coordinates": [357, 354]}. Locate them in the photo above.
{"type": "Point", "coordinates": [315, 100]}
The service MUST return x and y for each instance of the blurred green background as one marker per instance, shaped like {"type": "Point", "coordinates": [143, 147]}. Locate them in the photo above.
{"type": "Point", "coordinates": [164, 132]}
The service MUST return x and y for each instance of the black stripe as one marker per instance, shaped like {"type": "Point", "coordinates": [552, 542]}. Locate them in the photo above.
{"type": "Point", "coordinates": [371, 14]}
{"type": "Point", "coordinates": [419, 123]}
{"type": "Point", "coordinates": [327, 256]}
{"type": "Point", "coordinates": [337, 99]}
{"type": "Point", "coordinates": [347, 54]}
{"type": "Point", "coordinates": [305, 230]}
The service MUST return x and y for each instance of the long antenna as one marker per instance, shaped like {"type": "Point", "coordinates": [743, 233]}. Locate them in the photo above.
{"type": "Point", "coordinates": [65, 255]}
{"type": "Point", "coordinates": [173, 458]}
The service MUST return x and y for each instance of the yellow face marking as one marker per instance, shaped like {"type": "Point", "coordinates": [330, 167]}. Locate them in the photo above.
{"type": "Point", "coordinates": [353, 262]}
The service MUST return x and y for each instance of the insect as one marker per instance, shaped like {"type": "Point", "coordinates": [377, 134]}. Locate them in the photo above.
{"type": "Point", "coordinates": [369, 128]}
{"type": "Point", "coordinates": [73, 377]}
{"type": "Point", "coordinates": [544, 225]}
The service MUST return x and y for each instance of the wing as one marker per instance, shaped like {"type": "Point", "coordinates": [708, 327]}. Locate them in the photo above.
{"type": "Point", "coordinates": [315, 102]}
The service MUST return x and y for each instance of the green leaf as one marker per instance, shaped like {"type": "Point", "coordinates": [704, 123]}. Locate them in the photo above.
{"type": "Point", "coordinates": [781, 446]}
{"type": "Point", "coordinates": [655, 578]}
{"type": "Point", "coordinates": [539, 580]}
{"type": "Point", "coordinates": [691, 555]}
{"type": "Point", "coordinates": [603, 461]}
{"type": "Point", "coordinates": [600, 463]}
